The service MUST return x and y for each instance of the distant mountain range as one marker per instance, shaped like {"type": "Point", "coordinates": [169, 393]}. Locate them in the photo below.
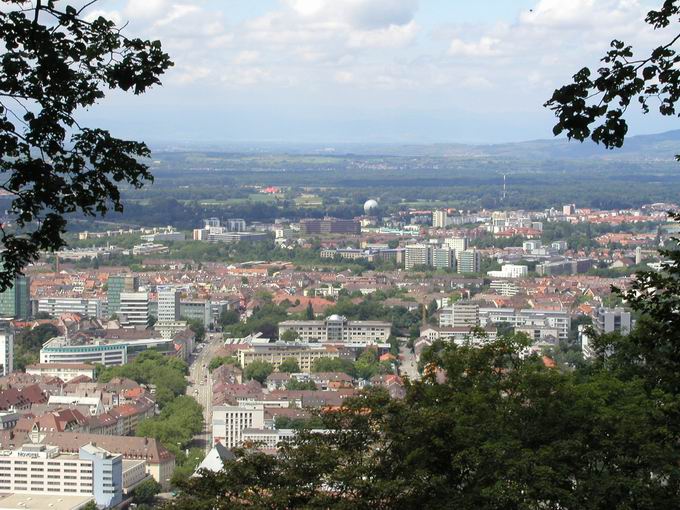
{"type": "Point", "coordinates": [657, 147]}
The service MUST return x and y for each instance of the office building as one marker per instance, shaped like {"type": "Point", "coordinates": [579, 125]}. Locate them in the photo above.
{"type": "Point", "coordinates": [337, 329]}
{"type": "Point", "coordinates": [168, 304]}
{"type": "Point", "coordinates": [44, 470]}
{"type": "Point", "coordinates": [469, 261]}
{"type": "Point", "coordinates": [134, 309]}
{"type": "Point", "coordinates": [229, 422]}
{"type": "Point", "coordinates": [116, 286]}
{"type": "Point", "coordinates": [510, 271]}
{"type": "Point", "coordinates": [329, 226]}
{"type": "Point", "coordinates": [15, 302]}
{"type": "Point", "coordinates": [60, 350]}
{"type": "Point", "coordinates": [443, 258]}
{"type": "Point", "coordinates": [461, 314]}
{"type": "Point", "coordinates": [609, 320]}
{"type": "Point", "coordinates": [418, 255]}
{"type": "Point", "coordinates": [55, 306]}
{"type": "Point", "coordinates": [6, 348]}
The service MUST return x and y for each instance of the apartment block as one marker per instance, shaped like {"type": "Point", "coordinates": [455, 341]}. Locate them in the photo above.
{"type": "Point", "coordinates": [338, 329]}
{"type": "Point", "coordinates": [461, 314]}
{"type": "Point", "coordinates": [469, 261]}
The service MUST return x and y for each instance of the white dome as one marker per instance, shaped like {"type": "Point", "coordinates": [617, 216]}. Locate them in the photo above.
{"type": "Point", "coordinates": [370, 205]}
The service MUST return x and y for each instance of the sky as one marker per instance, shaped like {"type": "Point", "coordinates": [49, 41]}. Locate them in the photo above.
{"type": "Point", "coordinates": [374, 71]}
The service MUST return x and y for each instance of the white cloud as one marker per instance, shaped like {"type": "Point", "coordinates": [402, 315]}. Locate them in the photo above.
{"type": "Point", "coordinates": [485, 47]}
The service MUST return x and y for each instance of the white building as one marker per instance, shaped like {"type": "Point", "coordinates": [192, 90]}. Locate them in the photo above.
{"type": "Point", "coordinates": [59, 350]}
{"type": "Point", "coordinates": [510, 271]}
{"type": "Point", "coordinates": [460, 244]}
{"type": "Point", "coordinates": [55, 306]}
{"type": "Point", "coordinates": [134, 309]}
{"type": "Point", "coordinates": [461, 314]}
{"type": "Point", "coordinates": [337, 329]}
{"type": "Point", "coordinates": [42, 469]}
{"type": "Point", "coordinates": [440, 219]}
{"type": "Point", "coordinates": [557, 321]}
{"type": "Point", "coordinates": [64, 371]}
{"type": "Point", "coordinates": [609, 320]}
{"type": "Point", "coordinates": [505, 287]}
{"type": "Point", "coordinates": [229, 422]}
{"type": "Point", "coordinates": [168, 304]}
{"type": "Point", "coordinates": [6, 349]}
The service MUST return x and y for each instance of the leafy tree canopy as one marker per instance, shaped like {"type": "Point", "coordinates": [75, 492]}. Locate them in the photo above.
{"type": "Point", "coordinates": [55, 62]}
{"type": "Point", "coordinates": [594, 104]}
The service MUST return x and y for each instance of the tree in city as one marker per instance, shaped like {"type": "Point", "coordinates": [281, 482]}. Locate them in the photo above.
{"type": "Point", "coordinates": [56, 62]}
{"type": "Point", "coordinates": [502, 430]}
{"type": "Point", "coordinates": [218, 361]}
{"type": "Point", "coordinates": [289, 335]}
{"type": "Point", "coordinates": [259, 371]}
{"type": "Point", "coordinates": [289, 365]}
{"type": "Point", "coordinates": [229, 317]}
{"type": "Point", "coordinates": [309, 312]}
{"type": "Point", "coordinates": [146, 492]}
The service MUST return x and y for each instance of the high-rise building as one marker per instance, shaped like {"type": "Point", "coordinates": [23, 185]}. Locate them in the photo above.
{"type": "Point", "coordinates": [469, 261]}
{"type": "Point", "coordinates": [443, 258]}
{"type": "Point", "coordinates": [440, 219]}
{"type": "Point", "coordinates": [460, 314]}
{"type": "Point", "coordinates": [107, 474]}
{"type": "Point", "coordinates": [569, 209]}
{"type": "Point", "coordinates": [418, 255]}
{"type": "Point", "coordinates": [459, 244]}
{"type": "Point", "coordinates": [116, 285]}
{"type": "Point", "coordinates": [15, 302]}
{"type": "Point", "coordinates": [168, 304]}
{"type": "Point", "coordinates": [6, 348]}
{"type": "Point", "coordinates": [134, 309]}
{"type": "Point", "coordinates": [610, 320]}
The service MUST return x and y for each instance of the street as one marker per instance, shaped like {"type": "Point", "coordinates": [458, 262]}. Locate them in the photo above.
{"type": "Point", "coordinates": [408, 366]}
{"type": "Point", "coordinates": [200, 386]}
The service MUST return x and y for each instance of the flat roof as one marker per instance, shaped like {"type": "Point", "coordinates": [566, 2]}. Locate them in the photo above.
{"type": "Point", "coordinates": [17, 501]}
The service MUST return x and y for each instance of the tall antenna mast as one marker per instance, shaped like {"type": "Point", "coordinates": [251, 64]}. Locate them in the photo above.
{"type": "Point", "coordinates": [504, 188]}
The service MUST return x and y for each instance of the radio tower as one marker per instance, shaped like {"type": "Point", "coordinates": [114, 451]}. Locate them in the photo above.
{"type": "Point", "coordinates": [504, 190]}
